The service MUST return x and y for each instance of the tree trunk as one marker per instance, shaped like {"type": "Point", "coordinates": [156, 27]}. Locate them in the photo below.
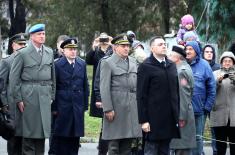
{"type": "Point", "coordinates": [18, 22]}
{"type": "Point", "coordinates": [190, 6]}
{"type": "Point", "coordinates": [11, 10]}
{"type": "Point", "coordinates": [104, 14]}
{"type": "Point", "coordinates": [165, 11]}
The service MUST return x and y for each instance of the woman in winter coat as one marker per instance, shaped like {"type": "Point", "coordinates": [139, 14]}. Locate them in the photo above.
{"type": "Point", "coordinates": [223, 113]}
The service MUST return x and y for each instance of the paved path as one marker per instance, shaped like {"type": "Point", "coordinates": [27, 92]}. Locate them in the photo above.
{"type": "Point", "coordinates": [86, 149]}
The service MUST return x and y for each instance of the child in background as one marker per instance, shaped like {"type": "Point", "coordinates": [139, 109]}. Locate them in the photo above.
{"type": "Point", "coordinates": [187, 24]}
{"type": "Point", "coordinates": [190, 36]}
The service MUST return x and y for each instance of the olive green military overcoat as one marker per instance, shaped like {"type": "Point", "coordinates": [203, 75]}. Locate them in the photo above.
{"type": "Point", "coordinates": [188, 132]}
{"type": "Point", "coordinates": [118, 93]}
{"type": "Point", "coordinates": [32, 80]}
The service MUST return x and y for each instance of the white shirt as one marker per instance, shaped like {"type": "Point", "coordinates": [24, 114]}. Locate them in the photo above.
{"type": "Point", "coordinates": [160, 60]}
{"type": "Point", "coordinates": [37, 49]}
{"type": "Point", "coordinates": [70, 62]}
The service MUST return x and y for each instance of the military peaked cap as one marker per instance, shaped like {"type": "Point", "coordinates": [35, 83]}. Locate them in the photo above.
{"type": "Point", "coordinates": [120, 39]}
{"type": "Point", "coordinates": [18, 38]}
{"type": "Point", "coordinates": [69, 43]}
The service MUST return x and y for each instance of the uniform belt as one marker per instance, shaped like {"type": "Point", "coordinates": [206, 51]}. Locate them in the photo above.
{"type": "Point", "coordinates": [41, 82]}
{"type": "Point", "coordinates": [124, 89]}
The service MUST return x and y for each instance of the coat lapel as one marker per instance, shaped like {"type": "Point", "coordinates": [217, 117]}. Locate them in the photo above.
{"type": "Point", "coordinates": [34, 54]}
{"type": "Point", "coordinates": [45, 56]}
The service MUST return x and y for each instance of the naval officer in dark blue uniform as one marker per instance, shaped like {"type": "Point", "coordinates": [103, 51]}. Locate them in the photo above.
{"type": "Point", "coordinates": [71, 99]}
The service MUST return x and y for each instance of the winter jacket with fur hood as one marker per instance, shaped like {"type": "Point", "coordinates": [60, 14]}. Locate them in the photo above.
{"type": "Point", "coordinates": [224, 108]}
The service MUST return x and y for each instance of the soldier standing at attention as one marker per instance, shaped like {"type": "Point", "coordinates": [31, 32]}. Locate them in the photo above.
{"type": "Point", "coordinates": [58, 53]}
{"type": "Point", "coordinates": [118, 78]}
{"type": "Point", "coordinates": [32, 81]}
{"type": "Point", "coordinates": [18, 41]}
{"type": "Point", "coordinates": [71, 99]}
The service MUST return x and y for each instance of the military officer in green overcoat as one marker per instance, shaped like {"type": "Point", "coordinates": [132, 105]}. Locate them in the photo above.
{"type": "Point", "coordinates": [32, 80]}
{"type": "Point", "coordinates": [118, 78]}
{"type": "Point", "coordinates": [17, 41]}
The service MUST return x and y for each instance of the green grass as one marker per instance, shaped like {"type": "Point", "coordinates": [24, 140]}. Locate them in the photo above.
{"type": "Point", "coordinates": [92, 124]}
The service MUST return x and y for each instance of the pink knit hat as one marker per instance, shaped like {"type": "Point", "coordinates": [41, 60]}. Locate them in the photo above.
{"type": "Point", "coordinates": [187, 19]}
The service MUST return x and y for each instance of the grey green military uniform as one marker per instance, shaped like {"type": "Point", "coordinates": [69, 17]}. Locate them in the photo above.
{"type": "Point", "coordinates": [118, 87]}
{"type": "Point", "coordinates": [32, 81]}
{"type": "Point", "coordinates": [188, 132]}
{"type": "Point", "coordinates": [5, 66]}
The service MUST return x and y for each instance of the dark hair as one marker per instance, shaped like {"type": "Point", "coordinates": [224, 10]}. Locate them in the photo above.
{"type": "Point", "coordinates": [208, 45]}
{"type": "Point", "coordinates": [154, 38]}
{"type": "Point", "coordinates": [213, 50]}
{"type": "Point", "coordinates": [62, 38]}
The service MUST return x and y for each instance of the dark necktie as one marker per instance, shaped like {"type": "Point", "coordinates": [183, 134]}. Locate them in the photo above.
{"type": "Point", "coordinates": [163, 63]}
{"type": "Point", "coordinates": [72, 65]}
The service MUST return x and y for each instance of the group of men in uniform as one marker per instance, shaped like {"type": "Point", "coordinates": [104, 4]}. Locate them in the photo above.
{"type": "Point", "coordinates": [37, 87]}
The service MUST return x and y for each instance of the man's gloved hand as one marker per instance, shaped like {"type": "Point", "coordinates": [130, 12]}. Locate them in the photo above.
{"type": "Point", "coordinates": [206, 112]}
{"type": "Point", "coordinates": [5, 108]}
{"type": "Point", "coordinates": [231, 76]}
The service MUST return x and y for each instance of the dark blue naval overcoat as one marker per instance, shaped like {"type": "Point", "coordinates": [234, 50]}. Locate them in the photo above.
{"type": "Point", "coordinates": [71, 98]}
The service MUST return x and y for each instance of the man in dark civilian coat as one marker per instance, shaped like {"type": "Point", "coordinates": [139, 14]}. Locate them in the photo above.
{"type": "Point", "coordinates": [71, 99]}
{"type": "Point", "coordinates": [158, 99]}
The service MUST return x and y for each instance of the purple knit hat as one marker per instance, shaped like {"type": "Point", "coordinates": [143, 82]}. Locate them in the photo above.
{"type": "Point", "coordinates": [187, 19]}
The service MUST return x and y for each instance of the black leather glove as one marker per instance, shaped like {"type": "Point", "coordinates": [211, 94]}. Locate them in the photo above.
{"type": "Point", "coordinates": [206, 112]}
{"type": "Point", "coordinates": [231, 76]}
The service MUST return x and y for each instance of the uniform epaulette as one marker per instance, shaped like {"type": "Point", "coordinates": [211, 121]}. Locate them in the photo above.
{"type": "Point", "coordinates": [79, 58]}
{"type": "Point", "coordinates": [107, 56]}
{"type": "Point", "coordinates": [55, 60]}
